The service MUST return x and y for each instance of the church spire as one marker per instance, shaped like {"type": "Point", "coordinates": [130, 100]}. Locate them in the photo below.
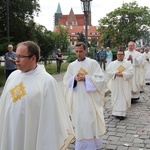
{"type": "Point", "coordinates": [58, 9]}
{"type": "Point", "coordinates": [58, 15]}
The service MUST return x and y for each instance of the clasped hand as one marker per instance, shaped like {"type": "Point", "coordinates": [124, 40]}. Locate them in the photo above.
{"type": "Point", "coordinates": [118, 74]}
{"type": "Point", "coordinates": [130, 57]}
{"type": "Point", "coordinates": [80, 77]}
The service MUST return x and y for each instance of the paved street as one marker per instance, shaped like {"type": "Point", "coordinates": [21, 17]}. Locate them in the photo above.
{"type": "Point", "coordinates": [132, 133]}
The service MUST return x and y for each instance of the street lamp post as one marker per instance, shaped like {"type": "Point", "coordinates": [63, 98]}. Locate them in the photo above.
{"type": "Point", "coordinates": [86, 9]}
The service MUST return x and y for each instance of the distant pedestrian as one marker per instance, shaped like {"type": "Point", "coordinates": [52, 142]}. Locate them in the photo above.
{"type": "Point", "coordinates": [59, 60]}
{"type": "Point", "coordinates": [120, 73]}
{"type": "Point", "coordinates": [109, 56]}
{"type": "Point", "coordinates": [102, 58]}
{"type": "Point", "coordinates": [10, 64]}
{"type": "Point", "coordinates": [54, 53]}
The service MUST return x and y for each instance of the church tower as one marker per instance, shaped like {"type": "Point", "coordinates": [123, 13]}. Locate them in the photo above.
{"type": "Point", "coordinates": [58, 15]}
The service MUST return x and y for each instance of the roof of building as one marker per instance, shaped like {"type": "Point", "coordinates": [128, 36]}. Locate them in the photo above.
{"type": "Point", "coordinates": [74, 30]}
{"type": "Point", "coordinates": [75, 24]}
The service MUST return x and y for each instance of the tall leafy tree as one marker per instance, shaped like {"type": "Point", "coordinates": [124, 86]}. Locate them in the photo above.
{"type": "Point", "coordinates": [130, 22]}
{"type": "Point", "coordinates": [61, 40]}
{"type": "Point", "coordinates": [45, 39]}
{"type": "Point", "coordinates": [20, 13]}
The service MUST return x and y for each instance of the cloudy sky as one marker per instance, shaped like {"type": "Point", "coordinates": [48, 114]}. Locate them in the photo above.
{"type": "Point", "coordinates": [99, 9]}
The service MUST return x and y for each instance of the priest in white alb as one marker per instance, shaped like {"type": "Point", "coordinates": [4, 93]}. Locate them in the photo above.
{"type": "Point", "coordinates": [146, 57]}
{"type": "Point", "coordinates": [120, 73]}
{"type": "Point", "coordinates": [142, 63]}
{"type": "Point", "coordinates": [33, 115]}
{"type": "Point", "coordinates": [135, 58]}
{"type": "Point", "coordinates": [84, 94]}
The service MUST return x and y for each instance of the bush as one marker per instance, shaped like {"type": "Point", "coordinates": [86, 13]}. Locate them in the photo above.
{"type": "Point", "coordinates": [90, 53]}
{"type": "Point", "coordinates": [71, 58]}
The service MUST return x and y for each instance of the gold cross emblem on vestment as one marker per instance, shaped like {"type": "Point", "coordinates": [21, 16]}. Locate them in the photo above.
{"type": "Point", "coordinates": [121, 68]}
{"type": "Point", "coordinates": [17, 92]}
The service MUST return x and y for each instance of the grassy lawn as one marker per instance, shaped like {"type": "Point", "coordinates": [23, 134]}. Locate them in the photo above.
{"type": "Point", "coordinates": [51, 69]}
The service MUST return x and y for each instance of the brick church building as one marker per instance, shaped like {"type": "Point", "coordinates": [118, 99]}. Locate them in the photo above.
{"type": "Point", "coordinates": [75, 24]}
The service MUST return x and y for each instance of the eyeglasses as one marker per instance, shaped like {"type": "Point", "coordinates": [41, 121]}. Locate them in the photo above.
{"type": "Point", "coordinates": [120, 54]}
{"type": "Point", "coordinates": [21, 56]}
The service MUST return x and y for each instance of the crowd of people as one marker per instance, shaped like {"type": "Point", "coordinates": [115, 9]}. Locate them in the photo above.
{"type": "Point", "coordinates": [127, 77]}
{"type": "Point", "coordinates": [35, 114]}
{"type": "Point", "coordinates": [104, 57]}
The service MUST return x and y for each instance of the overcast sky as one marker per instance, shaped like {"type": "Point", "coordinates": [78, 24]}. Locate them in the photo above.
{"type": "Point", "coordinates": [99, 9]}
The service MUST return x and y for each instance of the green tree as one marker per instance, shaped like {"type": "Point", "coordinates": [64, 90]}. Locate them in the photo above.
{"type": "Point", "coordinates": [45, 39]}
{"type": "Point", "coordinates": [81, 37]}
{"type": "Point", "coordinates": [94, 42]}
{"type": "Point", "coordinates": [130, 22]}
{"type": "Point", "coordinates": [61, 40]}
{"type": "Point", "coordinates": [21, 13]}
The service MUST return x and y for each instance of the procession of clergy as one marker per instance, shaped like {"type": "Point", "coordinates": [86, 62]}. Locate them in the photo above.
{"type": "Point", "coordinates": [36, 115]}
{"type": "Point", "coordinates": [126, 87]}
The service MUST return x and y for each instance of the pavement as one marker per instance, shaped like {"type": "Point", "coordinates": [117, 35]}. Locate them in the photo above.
{"type": "Point", "coordinates": [132, 133]}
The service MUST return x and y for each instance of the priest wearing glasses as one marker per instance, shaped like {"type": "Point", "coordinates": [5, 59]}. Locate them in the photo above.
{"type": "Point", "coordinates": [32, 108]}
{"type": "Point", "coordinates": [119, 76]}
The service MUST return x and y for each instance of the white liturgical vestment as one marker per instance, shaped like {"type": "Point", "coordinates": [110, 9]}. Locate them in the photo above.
{"type": "Point", "coordinates": [146, 57]}
{"type": "Point", "coordinates": [85, 99]}
{"type": "Point", "coordinates": [32, 113]}
{"type": "Point", "coordinates": [120, 87]}
{"type": "Point", "coordinates": [136, 62]}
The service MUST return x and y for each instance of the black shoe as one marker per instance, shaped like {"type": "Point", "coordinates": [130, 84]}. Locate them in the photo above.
{"type": "Point", "coordinates": [132, 99]}
{"type": "Point", "coordinates": [147, 83]}
{"type": "Point", "coordinates": [120, 117]}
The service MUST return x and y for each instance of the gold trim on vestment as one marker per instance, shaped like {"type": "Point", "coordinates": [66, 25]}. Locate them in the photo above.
{"type": "Point", "coordinates": [121, 68]}
{"type": "Point", "coordinates": [17, 92]}
{"type": "Point", "coordinates": [68, 141]}
{"type": "Point", "coordinates": [82, 71]}
{"type": "Point", "coordinates": [102, 95]}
